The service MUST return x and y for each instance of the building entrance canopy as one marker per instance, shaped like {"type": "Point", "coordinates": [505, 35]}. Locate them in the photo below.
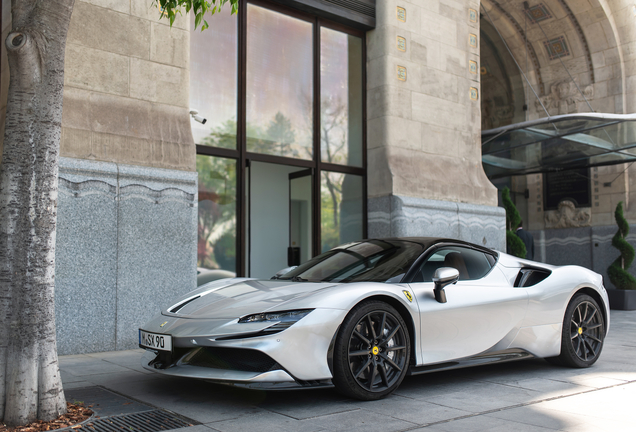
{"type": "Point", "coordinates": [559, 143]}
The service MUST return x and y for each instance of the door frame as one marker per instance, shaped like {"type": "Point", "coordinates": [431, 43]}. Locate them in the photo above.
{"type": "Point", "coordinates": [297, 175]}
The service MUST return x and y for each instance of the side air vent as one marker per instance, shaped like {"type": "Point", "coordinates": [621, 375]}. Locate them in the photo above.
{"type": "Point", "coordinates": [176, 308]}
{"type": "Point", "coordinates": [530, 276]}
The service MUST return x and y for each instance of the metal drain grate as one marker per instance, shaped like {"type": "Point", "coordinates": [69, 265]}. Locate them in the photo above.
{"type": "Point", "coordinates": [148, 421]}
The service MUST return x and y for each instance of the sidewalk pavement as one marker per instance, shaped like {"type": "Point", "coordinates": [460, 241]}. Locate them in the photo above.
{"type": "Point", "coordinates": [529, 395]}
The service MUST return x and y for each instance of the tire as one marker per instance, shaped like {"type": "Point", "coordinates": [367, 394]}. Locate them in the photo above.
{"type": "Point", "coordinates": [372, 351]}
{"type": "Point", "coordinates": [582, 335]}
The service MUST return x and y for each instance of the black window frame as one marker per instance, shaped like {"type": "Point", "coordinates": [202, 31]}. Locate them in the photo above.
{"type": "Point", "coordinates": [244, 158]}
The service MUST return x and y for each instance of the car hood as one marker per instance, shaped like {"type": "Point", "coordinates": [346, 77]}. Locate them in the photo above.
{"type": "Point", "coordinates": [237, 298]}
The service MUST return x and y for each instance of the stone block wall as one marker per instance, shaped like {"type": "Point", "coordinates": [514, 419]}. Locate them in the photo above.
{"type": "Point", "coordinates": [424, 143]}
{"type": "Point", "coordinates": [125, 247]}
{"type": "Point", "coordinates": [126, 93]}
{"type": "Point", "coordinates": [423, 102]}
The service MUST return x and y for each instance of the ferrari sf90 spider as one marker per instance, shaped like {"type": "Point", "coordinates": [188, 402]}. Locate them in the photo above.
{"type": "Point", "coordinates": [364, 315]}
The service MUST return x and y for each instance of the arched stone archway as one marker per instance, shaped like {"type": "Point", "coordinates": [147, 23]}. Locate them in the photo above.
{"type": "Point", "coordinates": [579, 56]}
{"type": "Point", "coordinates": [570, 51]}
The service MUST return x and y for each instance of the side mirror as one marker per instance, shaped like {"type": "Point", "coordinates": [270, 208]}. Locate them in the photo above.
{"type": "Point", "coordinates": [283, 271]}
{"type": "Point", "coordinates": [444, 276]}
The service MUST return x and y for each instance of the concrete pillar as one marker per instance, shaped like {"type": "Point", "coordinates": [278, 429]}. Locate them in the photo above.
{"type": "Point", "coordinates": [424, 142]}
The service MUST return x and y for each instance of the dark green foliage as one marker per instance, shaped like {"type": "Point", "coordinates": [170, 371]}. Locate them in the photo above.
{"type": "Point", "coordinates": [225, 251]}
{"type": "Point", "coordinates": [512, 214]}
{"type": "Point", "coordinates": [514, 245]}
{"type": "Point", "coordinates": [617, 271]}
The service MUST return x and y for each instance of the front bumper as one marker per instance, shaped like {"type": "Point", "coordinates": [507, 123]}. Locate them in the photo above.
{"type": "Point", "coordinates": [271, 380]}
{"type": "Point", "coordinates": [295, 357]}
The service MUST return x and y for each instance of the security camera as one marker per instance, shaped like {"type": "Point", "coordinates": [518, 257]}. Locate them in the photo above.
{"type": "Point", "coordinates": [195, 115]}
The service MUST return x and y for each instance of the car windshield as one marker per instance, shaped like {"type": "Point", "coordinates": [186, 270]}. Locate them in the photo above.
{"type": "Point", "coordinates": [366, 261]}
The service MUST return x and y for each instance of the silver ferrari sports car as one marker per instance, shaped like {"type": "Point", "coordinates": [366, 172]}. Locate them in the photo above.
{"type": "Point", "coordinates": [364, 315]}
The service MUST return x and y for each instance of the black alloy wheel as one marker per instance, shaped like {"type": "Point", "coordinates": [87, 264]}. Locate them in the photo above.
{"type": "Point", "coordinates": [372, 352]}
{"type": "Point", "coordinates": [583, 333]}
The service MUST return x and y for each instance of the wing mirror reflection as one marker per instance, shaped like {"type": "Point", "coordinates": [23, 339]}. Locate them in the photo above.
{"type": "Point", "coordinates": [283, 272]}
{"type": "Point", "coordinates": [444, 276]}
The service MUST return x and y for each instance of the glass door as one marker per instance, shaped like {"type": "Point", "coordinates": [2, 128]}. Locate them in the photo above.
{"type": "Point", "coordinates": [300, 211]}
{"type": "Point", "coordinates": [279, 216]}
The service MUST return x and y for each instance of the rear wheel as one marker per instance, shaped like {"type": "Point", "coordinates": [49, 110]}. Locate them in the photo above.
{"type": "Point", "coordinates": [583, 333]}
{"type": "Point", "coordinates": [372, 351]}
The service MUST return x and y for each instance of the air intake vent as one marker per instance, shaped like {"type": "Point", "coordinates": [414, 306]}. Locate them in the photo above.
{"type": "Point", "coordinates": [358, 6]}
{"type": "Point", "coordinates": [239, 359]}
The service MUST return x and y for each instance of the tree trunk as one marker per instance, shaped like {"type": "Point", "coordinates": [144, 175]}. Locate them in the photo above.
{"type": "Point", "coordinates": [30, 384]}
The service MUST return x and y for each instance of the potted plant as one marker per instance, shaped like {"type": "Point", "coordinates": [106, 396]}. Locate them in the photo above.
{"type": "Point", "coordinates": [624, 297]}
{"type": "Point", "coordinates": [514, 244]}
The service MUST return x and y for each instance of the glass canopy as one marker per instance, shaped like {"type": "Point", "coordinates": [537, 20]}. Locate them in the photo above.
{"type": "Point", "coordinates": [559, 143]}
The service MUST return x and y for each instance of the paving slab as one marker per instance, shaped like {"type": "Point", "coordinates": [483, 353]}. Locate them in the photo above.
{"type": "Point", "coordinates": [264, 421]}
{"type": "Point", "coordinates": [413, 410]}
{"type": "Point", "coordinates": [105, 403]}
{"type": "Point", "coordinates": [359, 420]}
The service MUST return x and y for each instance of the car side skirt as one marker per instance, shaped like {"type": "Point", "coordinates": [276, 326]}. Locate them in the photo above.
{"type": "Point", "coordinates": [478, 360]}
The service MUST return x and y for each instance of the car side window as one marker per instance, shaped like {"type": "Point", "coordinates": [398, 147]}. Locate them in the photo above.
{"type": "Point", "coordinates": [470, 263]}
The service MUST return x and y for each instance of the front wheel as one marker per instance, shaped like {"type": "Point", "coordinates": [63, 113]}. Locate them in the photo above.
{"type": "Point", "coordinates": [372, 351]}
{"type": "Point", "coordinates": [583, 333]}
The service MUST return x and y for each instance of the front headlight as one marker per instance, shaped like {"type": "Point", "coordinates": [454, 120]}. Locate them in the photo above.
{"type": "Point", "coordinates": [290, 317]}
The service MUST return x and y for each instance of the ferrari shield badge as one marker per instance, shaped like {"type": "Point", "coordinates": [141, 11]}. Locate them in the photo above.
{"type": "Point", "coordinates": [164, 323]}
{"type": "Point", "coordinates": [408, 295]}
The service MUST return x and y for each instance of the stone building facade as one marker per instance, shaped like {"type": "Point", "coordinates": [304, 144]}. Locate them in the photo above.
{"type": "Point", "coordinates": [147, 193]}
{"type": "Point", "coordinates": [578, 57]}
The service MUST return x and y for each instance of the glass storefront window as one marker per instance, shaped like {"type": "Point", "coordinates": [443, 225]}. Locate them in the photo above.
{"type": "Point", "coordinates": [341, 215]}
{"type": "Point", "coordinates": [279, 84]}
{"type": "Point", "coordinates": [271, 121]}
{"type": "Point", "coordinates": [340, 98]}
{"type": "Point", "coordinates": [216, 239]}
{"type": "Point", "coordinates": [213, 79]}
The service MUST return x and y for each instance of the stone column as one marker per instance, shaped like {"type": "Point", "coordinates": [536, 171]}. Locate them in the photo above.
{"type": "Point", "coordinates": [424, 143]}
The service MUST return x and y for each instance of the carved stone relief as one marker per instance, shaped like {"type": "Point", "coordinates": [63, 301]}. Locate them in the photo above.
{"type": "Point", "coordinates": [564, 96]}
{"type": "Point", "coordinates": [568, 216]}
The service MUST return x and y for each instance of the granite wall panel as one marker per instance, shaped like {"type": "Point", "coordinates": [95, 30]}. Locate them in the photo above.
{"type": "Point", "coordinates": [589, 247]}
{"type": "Point", "coordinates": [402, 216]}
{"type": "Point", "coordinates": [86, 257]}
{"type": "Point", "coordinates": [126, 246]}
{"type": "Point", "coordinates": [157, 245]}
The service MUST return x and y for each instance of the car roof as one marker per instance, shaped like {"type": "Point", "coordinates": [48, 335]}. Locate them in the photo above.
{"type": "Point", "coordinates": [427, 242]}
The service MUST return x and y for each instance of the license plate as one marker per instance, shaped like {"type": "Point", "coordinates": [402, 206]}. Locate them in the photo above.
{"type": "Point", "coordinates": [155, 341]}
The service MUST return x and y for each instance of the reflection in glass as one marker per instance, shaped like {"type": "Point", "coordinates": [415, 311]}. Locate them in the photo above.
{"type": "Point", "coordinates": [560, 144]}
{"type": "Point", "coordinates": [368, 261]}
{"type": "Point", "coordinates": [216, 243]}
{"type": "Point", "coordinates": [340, 98]}
{"type": "Point", "coordinates": [213, 75]}
{"type": "Point", "coordinates": [341, 209]}
{"type": "Point", "coordinates": [279, 84]}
